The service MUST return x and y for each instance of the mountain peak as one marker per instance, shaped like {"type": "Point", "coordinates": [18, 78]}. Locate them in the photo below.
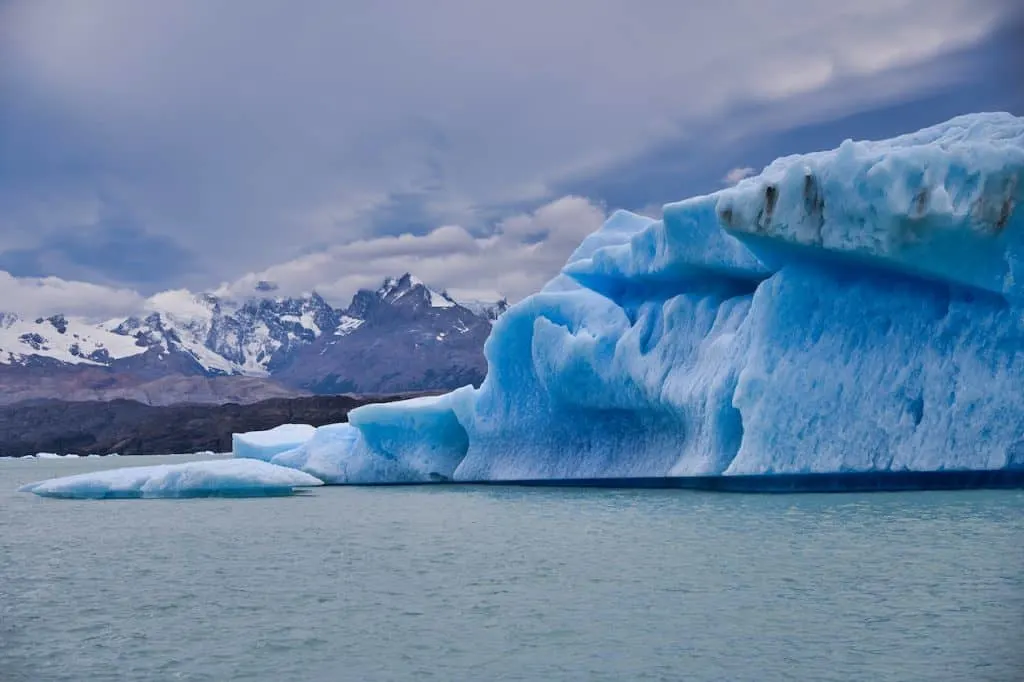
{"type": "Point", "coordinates": [410, 290]}
{"type": "Point", "coordinates": [393, 288]}
{"type": "Point", "coordinates": [206, 333]}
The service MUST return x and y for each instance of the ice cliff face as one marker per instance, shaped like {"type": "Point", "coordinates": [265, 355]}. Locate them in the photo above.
{"type": "Point", "coordinates": [851, 310]}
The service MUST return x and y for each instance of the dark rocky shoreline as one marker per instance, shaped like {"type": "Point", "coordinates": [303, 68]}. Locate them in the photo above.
{"type": "Point", "coordinates": [127, 427]}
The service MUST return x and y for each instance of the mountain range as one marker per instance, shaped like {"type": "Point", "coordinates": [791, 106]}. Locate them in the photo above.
{"type": "Point", "coordinates": [202, 348]}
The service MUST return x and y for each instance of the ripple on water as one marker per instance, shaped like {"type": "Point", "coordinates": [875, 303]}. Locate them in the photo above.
{"type": "Point", "coordinates": [510, 584]}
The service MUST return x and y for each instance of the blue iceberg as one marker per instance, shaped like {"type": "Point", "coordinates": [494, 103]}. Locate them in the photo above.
{"type": "Point", "coordinates": [413, 441]}
{"type": "Point", "coordinates": [219, 478]}
{"type": "Point", "coordinates": [264, 445]}
{"type": "Point", "coordinates": [855, 310]}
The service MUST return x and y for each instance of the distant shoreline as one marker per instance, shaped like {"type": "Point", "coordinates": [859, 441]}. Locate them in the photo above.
{"type": "Point", "coordinates": [127, 427]}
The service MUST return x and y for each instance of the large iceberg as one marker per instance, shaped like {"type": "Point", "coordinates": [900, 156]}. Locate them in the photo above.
{"type": "Point", "coordinates": [222, 478]}
{"type": "Point", "coordinates": [856, 310]}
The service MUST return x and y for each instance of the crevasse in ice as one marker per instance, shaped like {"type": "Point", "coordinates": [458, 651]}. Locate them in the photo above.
{"type": "Point", "coordinates": [851, 310]}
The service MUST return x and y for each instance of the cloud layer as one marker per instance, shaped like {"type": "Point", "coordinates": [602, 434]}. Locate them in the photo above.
{"type": "Point", "coordinates": [517, 258]}
{"type": "Point", "coordinates": [44, 296]}
{"type": "Point", "coordinates": [189, 143]}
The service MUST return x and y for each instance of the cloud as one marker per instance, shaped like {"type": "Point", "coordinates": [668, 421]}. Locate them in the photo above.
{"type": "Point", "coordinates": [136, 255]}
{"type": "Point", "coordinates": [515, 259]}
{"type": "Point", "coordinates": [282, 130]}
{"type": "Point", "coordinates": [737, 174]}
{"type": "Point", "coordinates": [42, 296]}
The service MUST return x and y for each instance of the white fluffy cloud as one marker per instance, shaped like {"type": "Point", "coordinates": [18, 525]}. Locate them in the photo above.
{"type": "Point", "coordinates": [31, 296]}
{"type": "Point", "coordinates": [522, 253]}
{"type": "Point", "coordinates": [515, 259]}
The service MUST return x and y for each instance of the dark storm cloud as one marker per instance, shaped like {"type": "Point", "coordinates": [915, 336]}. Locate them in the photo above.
{"type": "Point", "coordinates": [239, 136]}
{"type": "Point", "coordinates": [121, 253]}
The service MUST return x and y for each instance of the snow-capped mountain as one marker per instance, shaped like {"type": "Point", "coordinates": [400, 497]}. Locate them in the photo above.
{"type": "Point", "coordinates": [61, 340]}
{"type": "Point", "coordinates": [492, 310]}
{"type": "Point", "coordinates": [394, 289]}
{"type": "Point", "coordinates": [403, 335]}
{"type": "Point", "coordinates": [230, 337]}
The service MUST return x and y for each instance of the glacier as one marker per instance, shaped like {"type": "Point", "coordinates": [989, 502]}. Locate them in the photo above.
{"type": "Point", "coordinates": [264, 445]}
{"type": "Point", "coordinates": [851, 310]}
{"type": "Point", "coordinates": [223, 478]}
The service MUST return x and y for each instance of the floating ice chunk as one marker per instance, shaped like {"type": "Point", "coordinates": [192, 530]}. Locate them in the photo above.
{"type": "Point", "coordinates": [53, 455]}
{"type": "Point", "coordinates": [420, 441]}
{"type": "Point", "coordinates": [220, 478]}
{"type": "Point", "coordinates": [324, 454]}
{"type": "Point", "coordinates": [264, 445]}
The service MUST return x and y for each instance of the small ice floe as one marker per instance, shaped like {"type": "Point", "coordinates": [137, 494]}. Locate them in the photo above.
{"type": "Point", "coordinates": [220, 478]}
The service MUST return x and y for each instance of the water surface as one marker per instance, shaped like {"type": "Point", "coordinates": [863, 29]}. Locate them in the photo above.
{"type": "Point", "coordinates": [482, 583]}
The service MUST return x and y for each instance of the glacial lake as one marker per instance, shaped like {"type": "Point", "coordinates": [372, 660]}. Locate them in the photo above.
{"type": "Point", "coordinates": [493, 583]}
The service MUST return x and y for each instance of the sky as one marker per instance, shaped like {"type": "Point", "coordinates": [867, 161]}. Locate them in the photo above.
{"type": "Point", "coordinates": [325, 145]}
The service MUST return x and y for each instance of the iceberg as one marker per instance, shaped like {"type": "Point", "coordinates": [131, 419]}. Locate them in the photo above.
{"type": "Point", "coordinates": [850, 311]}
{"type": "Point", "coordinates": [421, 440]}
{"type": "Point", "coordinates": [219, 478]}
{"type": "Point", "coordinates": [263, 445]}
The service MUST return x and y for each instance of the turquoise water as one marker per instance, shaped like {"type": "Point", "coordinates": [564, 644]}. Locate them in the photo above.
{"type": "Point", "coordinates": [508, 584]}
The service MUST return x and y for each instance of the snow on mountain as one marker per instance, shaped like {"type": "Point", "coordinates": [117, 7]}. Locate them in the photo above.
{"type": "Point", "coordinates": [61, 339]}
{"type": "Point", "coordinates": [166, 334]}
{"type": "Point", "coordinates": [230, 336]}
{"type": "Point", "coordinates": [401, 336]}
{"type": "Point", "coordinates": [492, 310]}
{"type": "Point", "coordinates": [394, 289]}
{"type": "Point", "coordinates": [347, 325]}
{"type": "Point", "coordinates": [256, 336]}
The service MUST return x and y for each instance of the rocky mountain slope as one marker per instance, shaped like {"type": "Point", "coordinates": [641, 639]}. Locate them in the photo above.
{"type": "Point", "coordinates": [207, 349]}
{"type": "Point", "coordinates": [427, 339]}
